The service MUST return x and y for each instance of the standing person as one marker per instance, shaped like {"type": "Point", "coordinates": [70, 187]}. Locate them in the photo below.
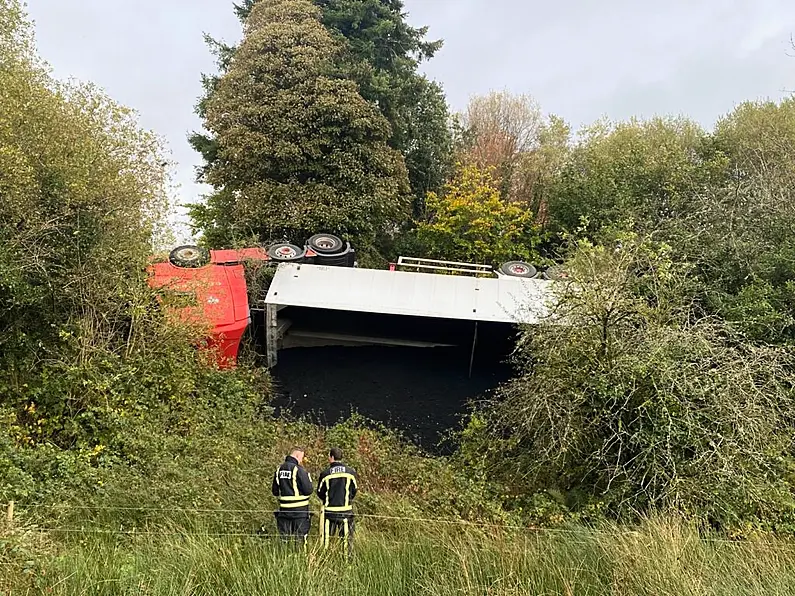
{"type": "Point", "coordinates": [293, 487]}
{"type": "Point", "coordinates": [336, 489]}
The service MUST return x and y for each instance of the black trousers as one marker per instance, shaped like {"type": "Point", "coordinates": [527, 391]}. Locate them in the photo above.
{"type": "Point", "coordinates": [293, 526]}
{"type": "Point", "coordinates": [342, 526]}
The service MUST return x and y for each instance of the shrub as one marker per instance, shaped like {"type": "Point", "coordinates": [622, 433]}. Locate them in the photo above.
{"type": "Point", "coordinates": [627, 399]}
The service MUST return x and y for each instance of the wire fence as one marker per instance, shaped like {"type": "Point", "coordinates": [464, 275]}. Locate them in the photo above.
{"type": "Point", "coordinates": [407, 519]}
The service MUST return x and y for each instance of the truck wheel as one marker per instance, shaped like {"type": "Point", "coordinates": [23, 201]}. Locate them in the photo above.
{"type": "Point", "coordinates": [326, 244]}
{"type": "Point", "coordinates": [284, 252]}
{"type": "Point", "coordinates": [189, 256]}
{"type": "Point", "coordinates": [518, 269]}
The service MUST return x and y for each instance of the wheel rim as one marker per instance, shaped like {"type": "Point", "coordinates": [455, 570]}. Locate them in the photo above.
{"type": "Point", "coordinates": [325, 242]}
{"type": "Point", "coordinates": [518, 269]}
{"type": "Point", "coordinates": [188, 254]}
{"type": "Point", "coordinates": [286, 252]}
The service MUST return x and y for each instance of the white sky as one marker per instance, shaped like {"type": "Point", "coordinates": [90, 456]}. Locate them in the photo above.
{"type": "Point", "coordinates": [580, 59]}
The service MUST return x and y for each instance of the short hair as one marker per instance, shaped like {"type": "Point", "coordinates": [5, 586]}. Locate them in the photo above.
{"type": "Point", "coordinates": [295, 449]}
{"type": "Point", "coordinates": [336, 453]}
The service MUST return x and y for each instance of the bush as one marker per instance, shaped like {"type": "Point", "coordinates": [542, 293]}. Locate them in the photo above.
{"type": "Point", "coordinates": [629, 401]}
{"type": "Point", "coordinates": [472, 222]}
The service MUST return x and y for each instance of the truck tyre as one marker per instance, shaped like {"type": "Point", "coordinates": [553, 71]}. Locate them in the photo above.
{"type": "Point", "coordinates": [284, 252]}
{"type": "Point", "coordinates": [326, 244]}
{"type": "Point", "coordinates": [518, 269]}
{"type": "Point", "coordinates": [189, 256]}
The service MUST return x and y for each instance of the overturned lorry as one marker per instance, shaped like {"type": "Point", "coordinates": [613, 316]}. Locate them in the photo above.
{"type": "Point", "coordinates": [319, 296]}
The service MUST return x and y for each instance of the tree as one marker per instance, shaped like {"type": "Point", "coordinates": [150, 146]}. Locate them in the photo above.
{"type": "Point", "coordinates": [297, 149]}
{"type": "Point", "coordinates": [500, 127]}
{"type": "Point", "coordinates": [627, 400]}
{"type": "Point", "coordinates": [82, 192]}
{"type": "Point", "coordinates": [742, 231]}
{"type": "Point", "coordinates": [381, 53]}
{"type": "Point", "coordinates": [470, 222]}
{"type": "Point", "coordinates": [640, 173]}
{"type": "Point", "coordinates": [509, 134]}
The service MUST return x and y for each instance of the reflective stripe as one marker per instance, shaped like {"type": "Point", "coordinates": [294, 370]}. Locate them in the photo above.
{"type": "Point", "coordinates": [292, 504]}
{"type": "Point", "coordinates": [335, 476]}
{"type": "Point", "coordinates": [348, 479]}
{"type": "Point", "coordinates": [345, 538]}
{"type": "Point", "coordinates": [295, 480]}
{"type": "Point", "coordinates": [294, 498]}
{"type": "Point", "coordinates": [339, 509]}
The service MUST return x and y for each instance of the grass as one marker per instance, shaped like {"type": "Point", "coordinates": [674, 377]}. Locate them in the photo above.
{"type": "Point", "coordinates": [660, 558]}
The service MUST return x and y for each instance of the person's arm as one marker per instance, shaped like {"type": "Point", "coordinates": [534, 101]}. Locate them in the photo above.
{"type": "Point", "coordinates": [304, 482]}
{"type": "Point", "coordinates": [275, 484]}
{"type": "Point", "coordinates": [322, 487]}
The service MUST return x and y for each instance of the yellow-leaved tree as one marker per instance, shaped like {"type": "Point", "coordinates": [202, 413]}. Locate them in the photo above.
{"type": "Point", "coordinates": [471, 222]}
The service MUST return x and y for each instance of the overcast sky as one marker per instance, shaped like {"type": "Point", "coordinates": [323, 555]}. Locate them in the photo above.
{"type": "Point", "coordinates": [581, 59]}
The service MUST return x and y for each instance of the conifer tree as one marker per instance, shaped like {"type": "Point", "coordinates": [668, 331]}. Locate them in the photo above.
{"type": "Point", "coordinates": [296, 149]}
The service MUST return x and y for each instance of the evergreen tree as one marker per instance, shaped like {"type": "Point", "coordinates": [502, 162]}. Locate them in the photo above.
{"type": "Point", "coordinates": [381, 53]}
{"type": "Point", "coordinates": [296, 149]}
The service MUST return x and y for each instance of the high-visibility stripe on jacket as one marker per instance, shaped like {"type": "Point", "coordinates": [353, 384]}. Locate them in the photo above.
{"type": "Point", "coordinates": [336, 488]}
{"type": "Point", "coordinates": [292, 484]}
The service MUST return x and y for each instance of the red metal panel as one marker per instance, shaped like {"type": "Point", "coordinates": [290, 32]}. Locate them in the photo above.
{"type": "Point", "coordinates": [221, 257]}
{"type": "Point", "coordinates": [220, 301]}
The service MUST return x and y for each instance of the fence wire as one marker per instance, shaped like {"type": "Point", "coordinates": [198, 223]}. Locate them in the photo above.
{"type": "Point", "coordinates": [413, 520]}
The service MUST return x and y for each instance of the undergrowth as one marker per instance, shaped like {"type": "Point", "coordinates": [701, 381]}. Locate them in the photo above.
{"type": "Point", "coordinates": [660, 556]}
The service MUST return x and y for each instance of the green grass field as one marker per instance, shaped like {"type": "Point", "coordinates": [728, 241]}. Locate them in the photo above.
{"type": "Point", "coordinates": [660, 558]}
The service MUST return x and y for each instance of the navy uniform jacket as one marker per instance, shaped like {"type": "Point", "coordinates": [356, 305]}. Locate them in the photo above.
{"type": "Point", "coordinates": [292, 485]}
{"type": "Point", "coordinates": [337, 488]}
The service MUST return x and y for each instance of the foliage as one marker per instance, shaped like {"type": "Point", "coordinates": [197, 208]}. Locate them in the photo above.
{"type": "Point", "coordinates": [91, 375]}
{"type": "Point", "coordinates": [657, 557]}
{"type": "Point", "coordinates": [740, 232]}
{"type": "Point", "coordinates": [635, 173]}
{"type": "Point", "coordinates": [627, 398]}
{"type": "Point", "coordinates": [720, 200]}
{"type": "Point", "coordinates": [275, 181]}
{"type": "Point", "coordinates": [470, 222]}
{"type": "Point", "coordinates": [508, 134]}
{"type": "Point", "coordinates": [382, 53]}
{"type": "Point", "coordinates": [83, 193]}
{"type": "Point", "coordinates": [499, 129]}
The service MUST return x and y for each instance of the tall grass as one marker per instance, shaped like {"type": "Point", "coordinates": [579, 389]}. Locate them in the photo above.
{"type": "Point", "coordinates": [660, 558]}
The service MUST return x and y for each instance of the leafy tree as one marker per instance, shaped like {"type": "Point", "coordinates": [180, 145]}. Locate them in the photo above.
{"type": "Point", "coordinates": [627, 400]}
{"type": "Point", "coordinates": [640, 173]}
{"type": "Point", "coordinates": [92, 378]}
{"type": "Point", "coordinates": [82, 193]}
{"type": "Point", "coordinates": [722, 201]}
{"type": "Point", "coordinates": [470, 222]}
{"type": "Point", "coordinates": [499, 129]}
{"type": "Point", "coordinates": [509, 134]}
{"type": "Point", "coordinates": [381, 53]}
{"type": "Point", "coordinates": [741, 231]}
{"type": "Point", "coordinates": [297, 149]}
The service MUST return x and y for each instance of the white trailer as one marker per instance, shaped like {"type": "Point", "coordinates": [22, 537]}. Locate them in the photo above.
{"type": "Point", "coordinates": [457, 292]}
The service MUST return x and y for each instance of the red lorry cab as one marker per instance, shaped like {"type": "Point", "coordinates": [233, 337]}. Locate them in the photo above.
{"type": "Point", "coordinates": [209, 288]}
{"type": "Point", "coordinates": [213, 295]}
